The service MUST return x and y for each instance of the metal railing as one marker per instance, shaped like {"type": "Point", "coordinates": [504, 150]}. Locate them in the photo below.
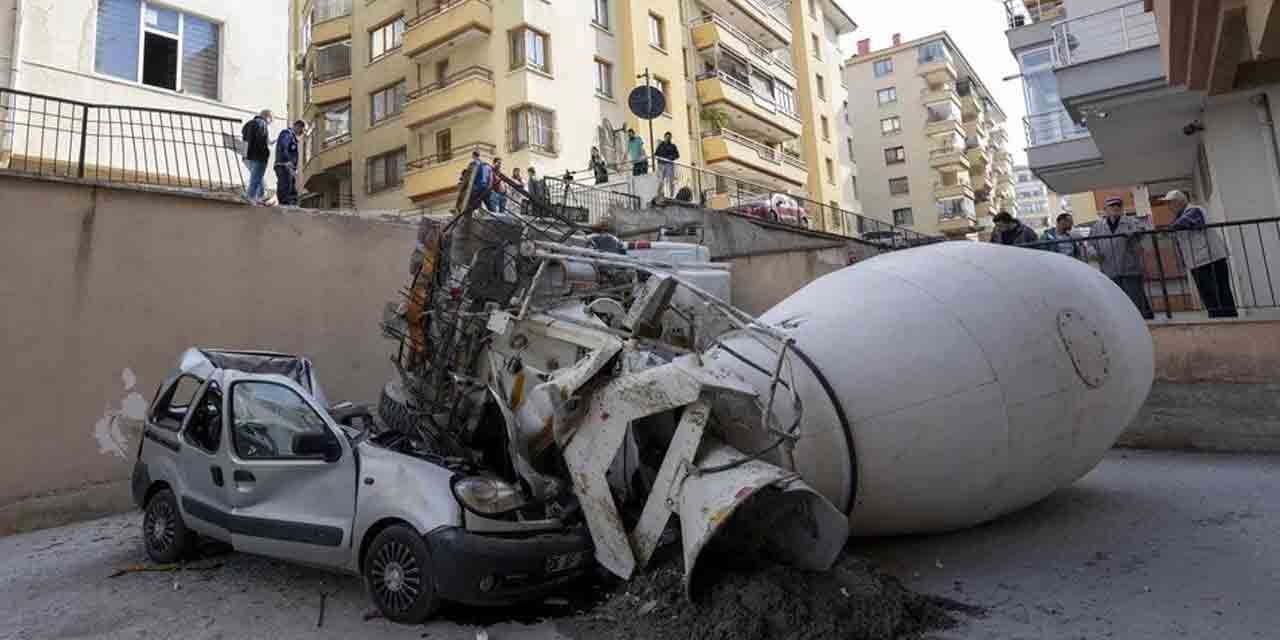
{"type": "Point", "coordinates": [440, 7]}
{"type": "Point", "coordinates": [754, 47]}
{"type": "Point", "coordinates": [765, 152]}
{"type": "Point", "coordinates": [1051, 127]}
{"type": "Point", "coordinates": [768, 103]}
{"type": "Point", "coordinates": [1020, 13]}
{"type": "Point", "coordinates": [1218, 269]}
{"type": "Point", "coordinates": [1106, 33]}
{"type": "Point", "coordinates": [46, 135]}
{"type": "Point", "coordinates": [585, 204]}
{"type": "Point", "coordinates": [326, 10]}
{"type": "Point", "coordinates": [486, 150]}
{"type": "Point", "coordinates": [474, 71]}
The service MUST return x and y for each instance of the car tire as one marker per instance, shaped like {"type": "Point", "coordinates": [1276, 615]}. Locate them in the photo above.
{"type": "Point", "coordinates": [397, 575]}
{"type": "Point", "coordinates": [394, 409]}
{"type": "Point", "coordinates": [165, 536]}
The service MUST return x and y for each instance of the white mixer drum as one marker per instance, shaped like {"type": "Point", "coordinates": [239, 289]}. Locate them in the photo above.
{"type": "Point", "coordinates": [946, 385]}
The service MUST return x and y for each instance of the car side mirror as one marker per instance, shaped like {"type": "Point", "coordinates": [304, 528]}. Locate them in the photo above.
{"type": "Point", "coordinates": [317, 445]}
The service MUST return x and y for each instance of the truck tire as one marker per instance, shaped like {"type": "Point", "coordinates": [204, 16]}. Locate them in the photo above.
{"type": "Point", "coordinates": [164, 535]}
{"type": "Point", "coordinates": [397, 574]}
{"type": "Point", "coordinates": [394, 409]}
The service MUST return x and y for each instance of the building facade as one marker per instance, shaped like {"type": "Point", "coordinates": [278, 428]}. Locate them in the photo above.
{"type": "Point", "coordinates": [207, 57]}
{"type": "Point", "coordinates": [400, 92]}
{"type": "Point", "coordinates": [1038, 206]}
{"type": "Point", "coordinates": [928, 140]}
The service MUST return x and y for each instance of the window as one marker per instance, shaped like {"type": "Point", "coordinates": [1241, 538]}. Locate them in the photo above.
{"type": "Point", "coordinates": [531, 49]}
{"type": "Point", "coordinates": [386, 38]}
{"type": "Point", "coordinates": [329, 9]}
{"type": "Point", "coordinates": [337, 125]}
{"type": "Point", "coordinates": [657, 31]}
{"type": "Point", "coordinates": [822, 87]}
{"type": "Point", "coordinates": [171, 410]}
{"type": "Point", "coordinates": [933, 52]}
{"type": "Point", "coordinates": [831, 171]}
{"type": "Point", "coordinates": [158, 46]}
{"type": "Point", "coordinates": [204, 430]}
{"type": "Point", "coordinates": [895, 155]}
{"type": "Point", "coordinates": [601, 17]}
{"type": "Point", "coordinates": [882, 68]}
{"type": "Point", "coordinates": [786, 98]}
{"type": "Point", "coordinates": [531, 127]}
{"type": "Point", "coordinates": [826, 128]}
{"type": "Point", "coordinates": [267, 418]}
{"type": "Point", "coordinates": [604, 78]}
{"type": "Point", "coordinates": [845, 112]}
{"type": "Point", "coordinates": [444, 145]}
{"type": "Point", "coordinates": [899, 186]}
{"type": "Point", "coordinates": [890, 125]}
{"type": "Point", "coordinates": [665, 87]}
{"type": "Point", "coordinates": [386, 171]}
{"type": "Point", "coordinates": [333, 61]}
{"type": "Point", "coordinates": [902, 217]}
{"type": "Point", "coordinates": [817, 46]}
{"type": "Point", "coordinates": [887, 95]}
{"type": "Point", "coordinates": [388, 102]}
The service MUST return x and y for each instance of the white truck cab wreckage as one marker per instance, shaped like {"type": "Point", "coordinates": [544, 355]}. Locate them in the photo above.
{"type": "Point", "coordinates": [924, 390]}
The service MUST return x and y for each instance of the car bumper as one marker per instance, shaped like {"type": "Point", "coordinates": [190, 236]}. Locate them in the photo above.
{"type": "Point", "coordinates": [481, 569]}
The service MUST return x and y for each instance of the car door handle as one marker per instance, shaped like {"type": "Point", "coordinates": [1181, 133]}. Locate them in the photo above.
{"type": "Point", "coordinates": [216, 472]}
{"type": "Point", "coordinates": [242, 476]}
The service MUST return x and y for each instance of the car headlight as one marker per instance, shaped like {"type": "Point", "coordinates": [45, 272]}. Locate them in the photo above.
{"type": "Point", "coordinates": [487, 496]}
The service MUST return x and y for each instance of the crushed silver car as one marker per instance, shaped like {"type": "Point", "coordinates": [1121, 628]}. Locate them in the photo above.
{"type": "Point", "coordinates": [240, 447]}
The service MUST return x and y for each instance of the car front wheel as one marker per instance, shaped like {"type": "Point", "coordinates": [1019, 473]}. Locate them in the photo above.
{"type": "Point", "coordinates": [397, 575]}
{"type": "Point", "coordinates": [164, 534]}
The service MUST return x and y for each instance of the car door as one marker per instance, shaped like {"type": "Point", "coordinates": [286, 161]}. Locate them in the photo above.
{"type": "Point", "coordinates": [288, 501]}
{"type": "Point", "coordinates": [202, 465]}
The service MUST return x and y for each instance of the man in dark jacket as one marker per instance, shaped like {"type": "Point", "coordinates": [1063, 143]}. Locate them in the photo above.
{"type": "Point", "coordinates": [257, 135]}
{"type": "Point", "coordinates": [1011, 231]}
{"type": "Point", "coordinates": [665, 155]}
{"type": "Point", "coordinates": [1205, 252]}
{"type": "Point", "coordinates": [287, 164]}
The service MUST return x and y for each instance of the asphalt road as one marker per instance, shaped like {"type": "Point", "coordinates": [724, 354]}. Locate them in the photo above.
{"type": "Point", "coordinates": [1149, 545]}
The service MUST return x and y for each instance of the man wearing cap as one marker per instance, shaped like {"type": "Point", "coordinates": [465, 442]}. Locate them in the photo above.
{"type": "Point", "coordinates": [1116, 242]}
{"type": "Point", "coordinates": [1205, 253]}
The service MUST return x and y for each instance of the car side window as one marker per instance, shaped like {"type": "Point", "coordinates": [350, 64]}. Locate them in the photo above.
{"type": "Point", "coordinates": [172, 409]}
{"type": "Point", "coordinates": [204, 430]}
{"type": "Point", "coordinates": [267, 418]}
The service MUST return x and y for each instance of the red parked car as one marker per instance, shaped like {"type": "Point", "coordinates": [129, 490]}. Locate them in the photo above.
{"type": "Point", "coordinates": [777, 207]}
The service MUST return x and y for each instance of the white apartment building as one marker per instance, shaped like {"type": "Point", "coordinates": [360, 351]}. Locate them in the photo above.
{"type": "Point", "coordinates": [1038, 206]}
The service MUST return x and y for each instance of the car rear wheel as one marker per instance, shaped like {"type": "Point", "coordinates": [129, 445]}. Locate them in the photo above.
{"type": "Point", "coordinates": [164, 534]}
{"type": "Point", "coordinates": [397, 573]}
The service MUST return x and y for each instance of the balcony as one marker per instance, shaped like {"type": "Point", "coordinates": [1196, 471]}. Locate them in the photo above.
{"type": "Point", "coordinates": [330, 88]}
{"type": "Point", "coordinates": [437, 175]}
{"type": "Point", "coordinates": [957, 217]}
{"type": "Point", "coordinates": [467, 92]}
{"type": "Point", "coordinates": [979, 155]}
{"type": "Point", "coordinates": [981, 180]}
{"type": "Point", "coordinates": [735, 155]}
{"type": "Point", "coordinates": [1104, 34]}
{"type": "Point", "coordinates": [439, 30]}
{"type": "Point", "coordinates": [331, 30]}
{"type": "Point", "coordinates": [938, 93]}
{"type": "Point", "coordinates": [951, 157]}
{"type": "Point", "coordinates": [944, 119]}
{"type": "Point", "coordinates": [334, 152]}
{"type": "Point", "coordinates": [937, 69]}
{"type": "Point", "coordinates": [950, 191]}
{"type": "Point", "coordinates": [976, 128]}
{"type": "Point", "coordinates": [1051, 128]}
{"type": "Point", "coordinates": [754, 19]}
{"type": "Point", "coordinates": [713, 30]}
{"type": "Point", "coordinates": [748, 111]}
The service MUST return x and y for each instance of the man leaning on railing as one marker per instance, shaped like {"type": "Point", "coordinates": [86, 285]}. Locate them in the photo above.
{"type": "Point", "coordinates": [1205, 253]}
{"type": "Point", "coordinates": [1120, 257]}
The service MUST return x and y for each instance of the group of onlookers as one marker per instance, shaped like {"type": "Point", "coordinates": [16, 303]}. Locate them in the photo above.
{"type": "Point", "coordinates": [1116, 243]}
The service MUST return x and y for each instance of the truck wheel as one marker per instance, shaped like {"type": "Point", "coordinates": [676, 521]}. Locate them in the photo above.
{"type": "Point", "coordinates": [397, 573]}
{"type": "Point", "coordinates": [394, 409]}
{"type": "Point", "coordinates": [164, 534]}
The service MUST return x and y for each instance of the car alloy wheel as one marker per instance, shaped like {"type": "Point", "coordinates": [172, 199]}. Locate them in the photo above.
{"type": "Point", "coordinates": [397, 578]}
{"type": "Point", "coordinates": [160, 527]}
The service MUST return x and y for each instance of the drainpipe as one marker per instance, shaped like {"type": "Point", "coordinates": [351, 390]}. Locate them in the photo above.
{"type": "Point", "coordinates": [16, 53]}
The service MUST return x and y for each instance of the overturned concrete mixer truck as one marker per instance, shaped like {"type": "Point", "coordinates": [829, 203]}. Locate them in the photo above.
{"type": "Point", "coordinates": [922, 390]}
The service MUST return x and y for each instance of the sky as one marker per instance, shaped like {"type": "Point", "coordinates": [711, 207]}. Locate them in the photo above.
{"type": "Point", "coordinates": [976, 26]}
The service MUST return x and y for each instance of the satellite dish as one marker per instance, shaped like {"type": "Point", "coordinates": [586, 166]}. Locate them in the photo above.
{"type": "Point", "coordinates": [647, 102]}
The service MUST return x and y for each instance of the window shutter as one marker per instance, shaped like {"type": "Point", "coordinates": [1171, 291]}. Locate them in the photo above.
{"type": "Point", "coordinates": [119, 24]}
{"type": "Point", "coordinates": [200, 47]}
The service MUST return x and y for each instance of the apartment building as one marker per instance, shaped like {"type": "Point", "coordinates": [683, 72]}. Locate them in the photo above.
{"type": "Point", "coordinates": [1038, 206]}
{"type": "Point", "coordinates": [400, 92]}
{"type": "Point", "coordinates": [209, 57]}
{"type": "Point", "coordinates": [928, 139]}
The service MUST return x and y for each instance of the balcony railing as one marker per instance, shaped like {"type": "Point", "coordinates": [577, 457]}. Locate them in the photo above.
{"type": "Point", "coordinates": [474, 71]}
{"type": "Point", "coordinates": [326, 10]}
{"type": "Point", "coordinates": [1128, 27]}
{"type": "Point", "coordinates": [753, 46]}
{"type": "Point", "coordinates": [1052, 127]}
{"type": "Point", "coordinates": [761, 100]}
{"type": "Point", "coordinates": [441, 6]}
{"type": "Point", "coordinates": [487, 151]}
{"type": "Point", "coordinates": [766, 153]}
{"type": "Point", "coordinates": [1021, 13]}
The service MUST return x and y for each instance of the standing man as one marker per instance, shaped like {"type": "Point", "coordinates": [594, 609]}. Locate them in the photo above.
{"type": "Point", "coordinates": [257, 136]}
{"type": "Point", "coordinates": [498, 189]}
{"type": "Point", "coordinates": [1010, 230]}
{"type": "Point", "coordinates": [287, 164]}
{"type": "Point", "coordinates": [1121, 256]}
{"type": "Point", "coordinates": [599, 168]}
{"type": "Point", "coordinates": [1060, 235]}
{"type": "Point", "coordinates": [635, 153]}
{"type": "Point", "coordinates": [665, 155]}
{"type": "Point", "coordinates": [1205, 253]}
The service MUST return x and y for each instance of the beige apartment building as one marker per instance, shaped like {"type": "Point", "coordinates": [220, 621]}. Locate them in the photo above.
{"type": "Point", "coordinates": [928, 139]}
{"type": "Point", "coordinates": [400, 92]}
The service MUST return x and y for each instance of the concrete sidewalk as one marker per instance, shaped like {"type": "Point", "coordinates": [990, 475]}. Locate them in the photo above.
{"type": "Point", "coordinates": [1149, 545]}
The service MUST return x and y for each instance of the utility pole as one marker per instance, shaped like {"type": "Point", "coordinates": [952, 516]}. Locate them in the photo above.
{"type": "Point", "coordinates": [649, 99]}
